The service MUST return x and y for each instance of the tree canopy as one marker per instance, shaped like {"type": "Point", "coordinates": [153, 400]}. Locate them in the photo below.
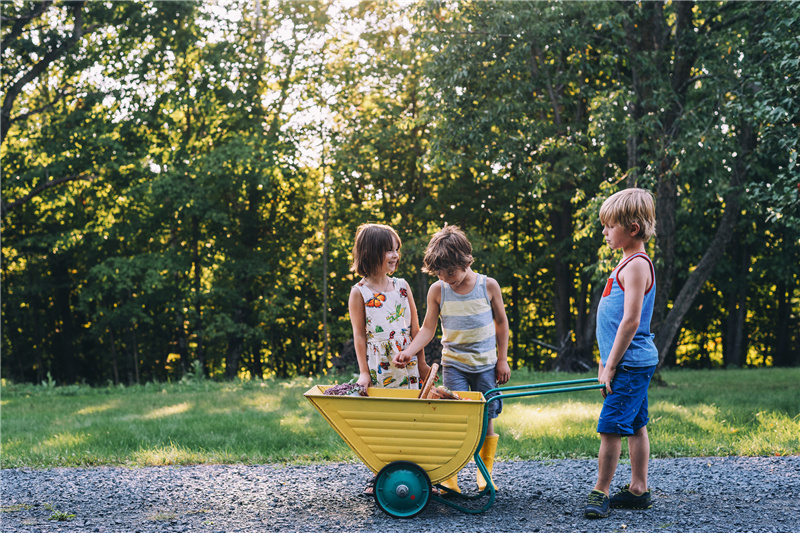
{"type": "Point", "coordinates": [182, 181]}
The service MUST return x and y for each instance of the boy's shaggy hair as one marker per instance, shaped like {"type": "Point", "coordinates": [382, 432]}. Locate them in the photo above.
{"type": "Point", "coordinates": [372, 243]}
{"type": "Point", "coordinates": [630, 206]}
{"type": "Point", "coordinates": [448, 250]}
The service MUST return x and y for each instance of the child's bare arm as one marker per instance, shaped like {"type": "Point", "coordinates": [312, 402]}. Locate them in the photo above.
{"type": "Point", "coordinates": [635, 278]}
{"type": "Point", "coordinates": [503, 371]}
{"type": "Point", "coordinates": [428, 329]}
{"type": "Point", "coordinates": [422, 364]}
{"type": "Point", "coordinates": [358, 319]}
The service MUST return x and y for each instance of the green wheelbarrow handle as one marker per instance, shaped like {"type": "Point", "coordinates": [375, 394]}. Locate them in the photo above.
{"type": "Point", "coordinates": [571, 387]}
{"type": "Point", "coordinates": [564, 386]}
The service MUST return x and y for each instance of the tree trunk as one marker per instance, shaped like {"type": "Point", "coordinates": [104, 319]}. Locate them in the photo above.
{"type": "Point", "coordinates": [135, 354]}
{"type": "Point", "coordinates": [560, 220]}
{"type": "Point", "coordinates": [323, 363]}
{"type": "Point", "coordinates": [180, 326]}
{"type": "Point", "coordinates": [64, 341]}
{"type": "Point", "coordinates": [114, 363]}
{"type": "Point", "coordinates": [587, 321]}
{"type": "Point", "coordinates": [666, 206]}
{"type": "Point", "coordinates": [233, 357]}
{"type": "Point", "coordinates": [640, 40]}
{"type": "Point", "coordinates": [646, 39]}
{"type": "Point", "coordinates": [783, 356]}
{"type": "Point", "coordinates": [669, 327]}
{"type": "Point", "coordinates": [198, 304]}
{"type": "Point", "coordinates": [515, 298]}
{"type": "Point", "coordinates": [235, 347]}
{"type": "Point", "coordinates": [734, 354]}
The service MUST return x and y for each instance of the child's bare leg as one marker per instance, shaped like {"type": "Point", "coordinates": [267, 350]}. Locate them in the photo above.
{"type": "Point", "coordinates": [639, 449]}
{"type": "Point", "coordinates": [490, 428]}
{"type": "Point", "coordinates": [610, 448]}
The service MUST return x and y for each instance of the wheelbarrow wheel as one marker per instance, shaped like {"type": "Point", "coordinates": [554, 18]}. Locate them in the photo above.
{"type": "Point", "coordinates": [402, 489]}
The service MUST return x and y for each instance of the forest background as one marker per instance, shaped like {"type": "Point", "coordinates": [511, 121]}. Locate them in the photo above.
{"type": "Point", "coordinates": [182, 181]}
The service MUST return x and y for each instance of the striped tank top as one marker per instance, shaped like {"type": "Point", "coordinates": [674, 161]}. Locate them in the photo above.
{"type": "Point", "coordinates": [468, 331]}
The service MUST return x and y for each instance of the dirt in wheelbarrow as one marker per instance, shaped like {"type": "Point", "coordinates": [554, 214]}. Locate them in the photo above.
{"type": "Point", "coordinates": [714, 494]}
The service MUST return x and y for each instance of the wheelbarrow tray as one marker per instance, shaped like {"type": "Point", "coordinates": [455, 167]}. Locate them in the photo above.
{"type": "Point", "coordinates": [411, 443]}
{"type": "Point", "coordinates": [389, 425]}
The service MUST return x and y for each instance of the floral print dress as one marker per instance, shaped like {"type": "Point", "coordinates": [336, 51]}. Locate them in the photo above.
{"type": "Point", "coordinates": [388, 320]}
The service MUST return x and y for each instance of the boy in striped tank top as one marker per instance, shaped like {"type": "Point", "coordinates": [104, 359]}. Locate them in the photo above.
{"type": "Point", "coordinates": [628, 356]}
{"type": "Point", "coordinates": [474, 329]}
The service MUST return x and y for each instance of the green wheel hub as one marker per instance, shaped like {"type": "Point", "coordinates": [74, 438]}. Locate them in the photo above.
{"type": "Point", "coordinates": [402, 489]}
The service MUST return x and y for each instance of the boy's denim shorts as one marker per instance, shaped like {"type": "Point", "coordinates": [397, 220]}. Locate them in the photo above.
{"type": "Point", "coordinates": [458, 380]}
{"type": "Point", "coordinates": [625, 410]}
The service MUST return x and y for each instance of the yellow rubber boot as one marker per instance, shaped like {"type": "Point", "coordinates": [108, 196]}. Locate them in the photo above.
{"type": "Point", "coordinates": [451, 484]}
{"type": "Point", "coordinates": [487, 455]}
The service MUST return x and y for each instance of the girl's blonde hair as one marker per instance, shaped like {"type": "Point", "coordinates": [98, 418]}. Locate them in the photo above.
{"type": "Point", "coordinates": [448, 250]}
{"type": "Point", "coordinates": [372, 243]}
{"type": "Point", "coordinates": [630, 206]}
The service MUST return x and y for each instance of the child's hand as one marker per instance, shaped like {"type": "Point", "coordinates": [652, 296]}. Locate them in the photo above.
{"type": "Point", "coordinates": [401, 359]}
{"type": "Point", "coordinates": [364, 379]}
{"type": "Point", "coordinates": [606, 378]}
{"type": "Point", "coordinates": [503, 372]}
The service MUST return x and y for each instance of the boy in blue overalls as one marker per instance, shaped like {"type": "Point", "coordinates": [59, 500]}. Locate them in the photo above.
{"type": "Point", "coordinates": [628, 356]}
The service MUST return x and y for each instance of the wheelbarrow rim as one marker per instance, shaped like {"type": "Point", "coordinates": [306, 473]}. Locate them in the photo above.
{"type": "Point", "coordinates": [402, 489]}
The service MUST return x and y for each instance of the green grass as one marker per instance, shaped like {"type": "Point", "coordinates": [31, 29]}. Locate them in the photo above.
{"type": "Point", "coordinates": [699, 413]}
{"type": "Point", "coordinates": [752, 412]}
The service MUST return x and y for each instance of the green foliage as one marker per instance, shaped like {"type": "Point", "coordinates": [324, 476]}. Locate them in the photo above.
{"type": "Point", "coordinates": [169, 167]}
{"type": "Point", "coordinates": [522, 157]}
{"type": "Point", "coordinates": [61, 516]}
{"type": "Point", "coordinates": [777, 109]}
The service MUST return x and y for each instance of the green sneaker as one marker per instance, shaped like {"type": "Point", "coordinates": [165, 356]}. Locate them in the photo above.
{"type": "Point", "coordinates": [597, 506]}
{"type": "Point", "coordinates": [625, 499]}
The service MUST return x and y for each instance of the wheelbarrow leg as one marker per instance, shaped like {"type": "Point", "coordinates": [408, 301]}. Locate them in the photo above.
{"type": "Point", "coordinates": [454, 497]}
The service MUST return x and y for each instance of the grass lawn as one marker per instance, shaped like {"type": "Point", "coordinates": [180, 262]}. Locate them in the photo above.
{"type": "Point", "coordinates": [699, 413]}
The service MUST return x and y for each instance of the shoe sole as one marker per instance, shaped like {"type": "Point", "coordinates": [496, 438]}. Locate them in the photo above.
{"type": "Point", "coordinates": [595, 514]}
{"type": "Point", "coordinates": [634, 507]}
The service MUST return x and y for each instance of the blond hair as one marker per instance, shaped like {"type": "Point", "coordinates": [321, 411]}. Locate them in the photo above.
{"type": "Point", "coordinates": [448, 249]}
{"type": "Point", "coordinates": [372, 243]}
{"type": "Point", "coordinates": [628, 207]}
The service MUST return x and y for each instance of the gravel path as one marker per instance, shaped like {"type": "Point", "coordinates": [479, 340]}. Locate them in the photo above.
{"type": "Point", "coordinates": [716, 494]}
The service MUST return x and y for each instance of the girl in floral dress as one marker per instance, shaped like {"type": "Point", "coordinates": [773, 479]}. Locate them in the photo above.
{"type": "Point", "coordinates": [382, 312]}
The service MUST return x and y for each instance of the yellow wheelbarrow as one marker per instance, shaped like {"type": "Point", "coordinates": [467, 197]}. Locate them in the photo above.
{"type": "Point", "coordinates": [413, 444]}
